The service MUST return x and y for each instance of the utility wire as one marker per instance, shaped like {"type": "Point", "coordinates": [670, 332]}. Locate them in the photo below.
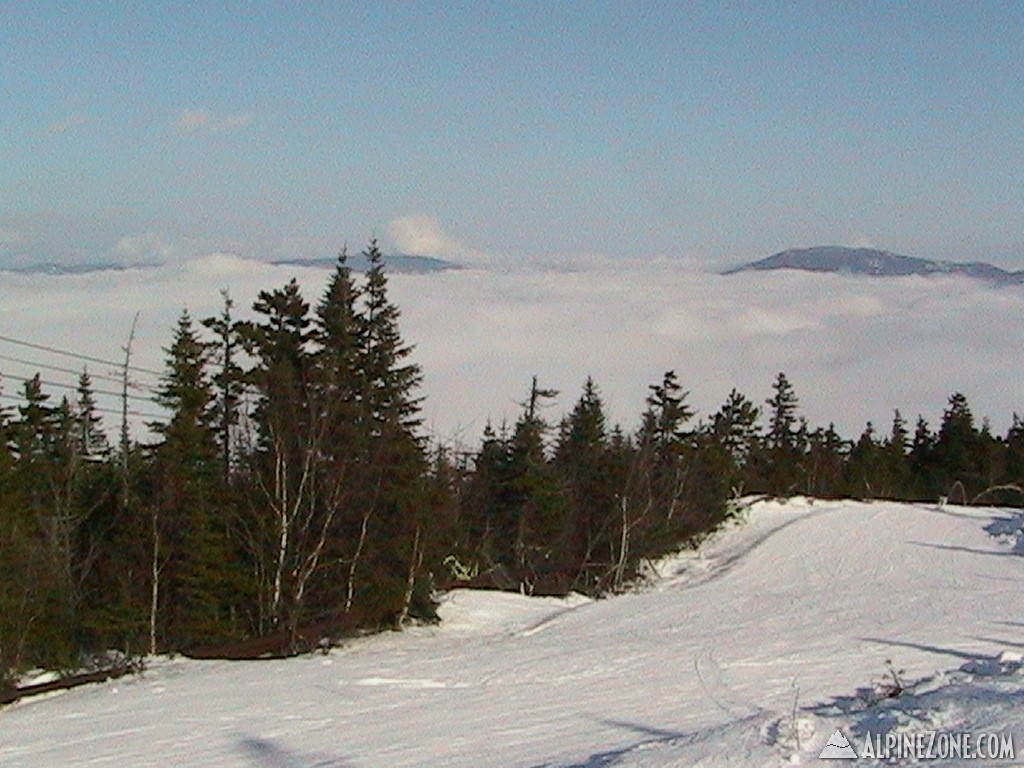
{"type": "Point", "coordinates": [100, 376]}
{"type": "Point", "coordinates": [74, 388]}
{"type": "Point", "coordinates": [77, 356]}
{"type": "Point", "coordinates": [97, 408]}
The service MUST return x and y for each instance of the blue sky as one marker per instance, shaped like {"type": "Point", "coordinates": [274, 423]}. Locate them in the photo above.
{"type": "Point", "coordinates": [723, 132]}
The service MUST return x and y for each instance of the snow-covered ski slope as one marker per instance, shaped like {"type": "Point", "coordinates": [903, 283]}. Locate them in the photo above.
{"type": "Point", "coordinates": [746, 653]}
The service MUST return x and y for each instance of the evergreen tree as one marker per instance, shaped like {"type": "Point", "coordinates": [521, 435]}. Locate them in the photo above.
{"type": "Point", "coordinates": [895, 480]}
{"type": "Point", "coordinates": [345, 479]}
{"type": "Point", "coordinates": [229, 379]}
{"type": "Point", "coordinates": [582, 460]}
{"type": "Point", "coordinates": [665, 456]}
{"type": "Point", "coordinates": [1014, 472]}
{"type": "Point", "coordinates": [957, 456]}
{"type": "Point", "coordinates": [921, 458]}
{"type": "Point", "coordinates": [398, 461]}
{"type": "Point", "coordinates": [734, 431]}
{"type": "Point", "coordinates": [90, 438]}
{"type": "Point", "coordinates": [391, 379]}
{"type": "Point", "coordinates": [866, 465]}
{"type": "Point", "coordinates": [784, 441]}
{"type": "Point", "coordinates": [489, 518]}
{"type": "Point", "coordinates": [189, 552]}
{"type": "Point", "coordinates": [282, 452]}
{"type": "Point", "coordinates": [666, 416]}
{"type": "Point", "coordinates": [824, 463]}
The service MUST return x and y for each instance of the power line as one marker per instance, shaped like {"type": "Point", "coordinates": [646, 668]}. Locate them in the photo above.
{"type": "Point", "coordinates": [74, 388]}
{"type": "Point", "coordinates": [58, 369]}
{"type": "Point", "coordinates": [97, 409]}
{"type": "Point", "coordinates": [77, 356]}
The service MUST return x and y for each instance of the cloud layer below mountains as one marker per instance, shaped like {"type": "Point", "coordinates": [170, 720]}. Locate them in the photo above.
{"type": "Point", "coordinates": [854, 348]}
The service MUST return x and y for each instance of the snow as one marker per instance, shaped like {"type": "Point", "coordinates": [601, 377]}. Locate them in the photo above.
{"type": "Point", "coordinates": [752, 651]}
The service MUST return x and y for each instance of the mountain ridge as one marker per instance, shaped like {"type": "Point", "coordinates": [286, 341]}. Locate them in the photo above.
{"type": "Point", "coordinates": [876, 263]}
{"type": "Point", "coordinates": [394, 264]}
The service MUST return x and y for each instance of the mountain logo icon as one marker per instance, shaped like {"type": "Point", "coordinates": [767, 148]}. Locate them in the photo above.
{"type": "Point", "coordinates": [838, 748]}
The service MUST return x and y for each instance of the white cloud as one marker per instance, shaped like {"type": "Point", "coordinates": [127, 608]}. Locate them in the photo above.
{"type": "Point", "coordinates": [9, 238]}
{"type": "Point", "coordinates": [146, 248]}
{"type": "Point", "coordinates": [854, 348]}
{"type": "Point", "coordinates": [422, 236]}
{"type": "Point", "coordinates": [63, 126]}
{"type": "Point", "coordinates": [419, 236]}
{"type": "Point", "coordinates": [192, 121]}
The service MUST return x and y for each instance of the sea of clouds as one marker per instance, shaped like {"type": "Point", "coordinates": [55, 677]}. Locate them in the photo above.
{"type": "Point", "coordinates": [855, 348]}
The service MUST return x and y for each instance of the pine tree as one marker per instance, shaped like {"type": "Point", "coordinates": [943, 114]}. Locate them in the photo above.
{"type": "Point", "coordinates": [957, 455]}
{"type": "Point", "coordinates": [346, 479]}
{"type": "Point", "coordinates": [582, 461]}
{"type": "Point", "coordinates": [229, 379]}
{"type": "Point", "coordinates": [666, 415]}
{"type": "Point", "coordinates": [189, 554]}
{"type": "Point", "coordinates": [282, 453]}
{"type": "Point", "coordinates": [734, 431]}
{"type": "Point", "coordinates": [392, 411]}
{"type": "Point", "coordinates": [90, 438]}
{"type": "Point", "coordinates": [665, 463]}
{"type": "Point", "coordinates": [895, 482]}
{"type": "Point", "coordinates": [824, 463]}
{"type": "Point", "coordinates": [537, 501]}
{"type": "Point", "coordinates": [391, 379]}
{"type": "Point", "coordinates": [23, 603]}
{"type": "Point", "coordinates": [1015, 452]}
{"type": "Point", "coordinates": [865, 465]}
{"type": "Point", "coordinates": [784, 441]}
{"type": "Point", "coordinates": [44, 481]}
{"type": "Point", "coordinates": [921, 457]}
{"type": "Point", "coordinates": [489, 514]}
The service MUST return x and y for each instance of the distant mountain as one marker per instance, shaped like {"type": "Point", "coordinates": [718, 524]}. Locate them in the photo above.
{"type": "Point", "coordinates": [869, 261]}
{"type": "Point", "coordinates": [56, 268]}
{"type": "Point", "coordinates": [397, 263]}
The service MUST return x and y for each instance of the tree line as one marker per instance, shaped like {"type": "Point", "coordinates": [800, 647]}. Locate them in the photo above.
{"type": "Point", "coordinates": [289, 495]}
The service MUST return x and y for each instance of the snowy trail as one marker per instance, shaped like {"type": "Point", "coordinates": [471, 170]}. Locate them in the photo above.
{"type": "Point", "coordinates": [802, 604]}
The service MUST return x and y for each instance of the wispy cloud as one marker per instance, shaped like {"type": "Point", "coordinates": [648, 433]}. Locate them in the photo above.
{"type": "Point", "coordinates": [194, 121]}
{"type": "Point", "coordinates": [63, 126]}
{"type": "Point", "coordinates": [149, 247]}
{"type": "Point", "coordinates": [421, 235]}
{"type": "Point", "coordinates": [9, 238]}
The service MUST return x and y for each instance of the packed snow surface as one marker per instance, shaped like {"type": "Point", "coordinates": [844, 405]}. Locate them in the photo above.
{"type": "Point", "coordinates": [750, 651]}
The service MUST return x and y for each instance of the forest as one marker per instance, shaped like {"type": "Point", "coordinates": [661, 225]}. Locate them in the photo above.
{"type": "Point", "coordinates": [290, 498]}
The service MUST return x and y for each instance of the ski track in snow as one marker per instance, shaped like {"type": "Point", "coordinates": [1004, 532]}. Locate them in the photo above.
{"type": "Point", "coordinates": [787, 613]}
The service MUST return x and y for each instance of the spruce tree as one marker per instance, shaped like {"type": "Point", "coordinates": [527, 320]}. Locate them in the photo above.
{"type": "Point", "coordinates": [895, 482]}
{"type": "Point", "coordinates": [665, 462]}
{"type": "Point", "coordinates": [399, 467]}
{"type": "Point", "coordinates": [391, 380]}
{"type": "Point", "coordinates": [734, 431]}
{"type": "Point", "coordinates": [538, 503]}
{"type": "Point", "coordinates": [282, 452]}
{"type": "Point", "coordinates": [90, 437]}
{"type": "Point", "coordinates": [228, 380]}
{"type": "Point", "coordinates": [957, 457]}
{"type": "Point", "coordinates": [921, 457]}
{"type": "Point", "coordinates": [189, 553]}
{"type": "Point", "coordinates": [865, 467]}
{"type": "Point", "coordinates": [824, 463]}
{"type": "Point", "coordinates": [784, 440]}
{"type": "Point", "coordinates": [581, 458]}
{"type": "Point", "coordinates": [489, 515]}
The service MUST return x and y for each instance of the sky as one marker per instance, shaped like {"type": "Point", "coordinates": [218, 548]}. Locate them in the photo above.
{"type": "Point", "coordinates": [500, 131]}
